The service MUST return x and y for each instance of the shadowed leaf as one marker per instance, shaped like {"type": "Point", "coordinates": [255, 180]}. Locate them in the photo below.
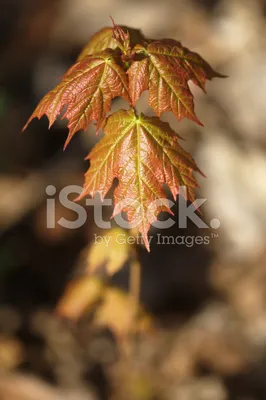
{"type": "Point", "coordinates": [80, 296]}
{"type": "Point", "coordinates": [115, 314]}
{"type": "Point", "coordinates": [109, 252]}
{"type": "Point", "coordinates": [104, 39]}
{"type": "Point", "coordinates": [100, 41]}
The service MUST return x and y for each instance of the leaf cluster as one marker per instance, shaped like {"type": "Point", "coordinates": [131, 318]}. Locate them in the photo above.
{"type": "Point", "coordinates": [143, 153]}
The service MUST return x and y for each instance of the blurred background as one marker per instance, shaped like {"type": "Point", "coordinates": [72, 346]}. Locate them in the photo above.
{"type": "Point", "coordinates": [206, 303]}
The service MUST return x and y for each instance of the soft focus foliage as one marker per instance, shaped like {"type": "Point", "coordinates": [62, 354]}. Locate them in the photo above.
{"type": "Point", "coordinates": [113, 257]}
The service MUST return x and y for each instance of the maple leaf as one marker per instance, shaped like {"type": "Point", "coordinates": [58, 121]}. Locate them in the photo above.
{"type": "Point", "coordinates": [143, 153]}
{"type": "Point", "coordinates": [114, 312]}
{"type": "Point", "coordinates": [87, 90]}
{"type": "Point", "coordinates": [109, 306]}
{"type": "Point", "coordinates": [101, 41]}
{"type": "Point", "coordinates": [122, 38]}
{"type": "Point", "coordinates": [164, 67]}
{"type": "Point", "coordinates": [80, 295]}
{"type": "Point", "coordinates": [105, 39]}
{"type": "Point", "coordinates": [113, 256]}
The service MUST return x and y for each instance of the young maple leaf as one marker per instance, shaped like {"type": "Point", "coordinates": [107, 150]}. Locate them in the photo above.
{"type": "Point", "coordinates": [143, 153]}
{"type": "Point", "coordinates": [105, 39]}
{"type": "Point", "coordinates": [122, 38]}
{"type": "Point", "coordinates": [164, 68]}
{"type": "Point", "coordinates": [101, 41]}
{"type": "Point", "coordinates": [87, 90]}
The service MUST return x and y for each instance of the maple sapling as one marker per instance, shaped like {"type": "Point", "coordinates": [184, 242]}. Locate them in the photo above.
{"type": "Point", "coordinates": [142, 152]}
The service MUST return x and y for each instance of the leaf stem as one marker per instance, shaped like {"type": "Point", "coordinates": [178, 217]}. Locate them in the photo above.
{"type": "Point", "coordinates": [135, 110]}
{"type": "Point", "coordinates": [134, 289]}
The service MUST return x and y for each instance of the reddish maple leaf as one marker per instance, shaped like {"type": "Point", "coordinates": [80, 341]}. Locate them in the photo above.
{"type": "Point", "coordinates": [122, 38]}
{"type": "Point", "coordinates": [87, 90]}
{"type": "Point", "coordinates": [143, 153]}
{"type": "Point", "coordinates": [164, 67]}
{"type": "Point", "coordinates": [105, 39]}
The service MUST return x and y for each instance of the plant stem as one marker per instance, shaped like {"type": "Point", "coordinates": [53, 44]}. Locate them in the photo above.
{"type": "Point", "coordinates": [134, 288]}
